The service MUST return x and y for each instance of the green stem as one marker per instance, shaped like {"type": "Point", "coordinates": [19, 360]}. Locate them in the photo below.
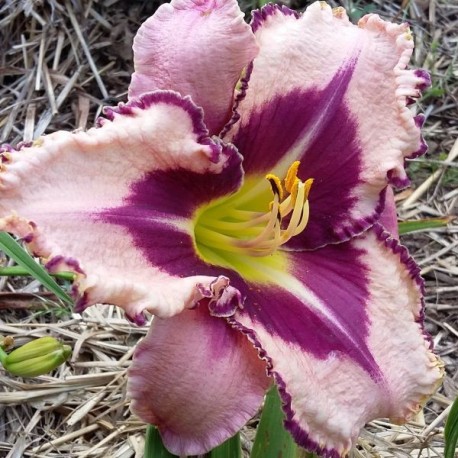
{"type": "Point", "coordinates": [19, 271]}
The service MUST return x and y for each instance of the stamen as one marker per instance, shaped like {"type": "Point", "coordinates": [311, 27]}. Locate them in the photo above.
{"type": "Point", "coordinates": [308, 184]}
{"type": "Point", "coordinates": [267, 230]}
{"type": "Point", "coordinates": [291, 176]}
{"type": "Point", "coordinates": [275, 182]}
{"type": "Point", "coordinates": [294, 190]}
{"type": "Point", "coordinates": [297, 214]}
{"type": "Point", "coordinates": [304, 219]}
{"type": "Point", "coordinates": [297, 223]}
{"type": "Point", "coordinates": [240, 230]}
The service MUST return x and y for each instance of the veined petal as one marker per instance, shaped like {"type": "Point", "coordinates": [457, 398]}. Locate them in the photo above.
{"type": "Point", "coordinates": [197, 379]}
{"type": "Point", "coordinates": [342, 333]}
{"type": "Point", "coordinates": [332, 95]}
{"type": "Point", "coordinates": [63, 195]}
{"type": "Point", "coordinates": [198, 48]}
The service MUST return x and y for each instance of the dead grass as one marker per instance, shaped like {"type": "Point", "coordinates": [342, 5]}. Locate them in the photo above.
{"type": "Point", "coordinates": [60, 62]}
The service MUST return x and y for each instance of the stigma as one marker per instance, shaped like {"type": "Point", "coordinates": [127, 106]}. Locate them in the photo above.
{"type": "Point", "coordinates": [238, 226]}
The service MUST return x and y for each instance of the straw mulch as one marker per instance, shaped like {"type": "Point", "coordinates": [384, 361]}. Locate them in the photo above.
{"type": "Point", "coordinates": [60, 62]}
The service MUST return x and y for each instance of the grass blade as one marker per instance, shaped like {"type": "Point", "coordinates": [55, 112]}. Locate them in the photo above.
{"type": "Point", "coordinates": [23, 259]}
{"type": "Point", "coordinates": [423, 224]}
{"type": "Point", "coordinates": [451, 431]}
{"type": "Point", "coordinates": [154, 448]}
{"type": "Point", "coordinates": [232, 448]}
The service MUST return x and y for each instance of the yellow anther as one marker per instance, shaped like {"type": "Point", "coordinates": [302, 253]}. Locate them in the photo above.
{"type": "Point", "coordinates": [307, 185]}
{"type": "Point", "coordinates": [291, 176]}
{"type": "Point", "coordinates": [294, 189]}
{"type": "Point", "coordinates": [275, 182]}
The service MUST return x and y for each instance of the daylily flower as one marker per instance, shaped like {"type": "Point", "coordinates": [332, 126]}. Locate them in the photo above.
{"type": "Point", "coordinates": [237, 197]}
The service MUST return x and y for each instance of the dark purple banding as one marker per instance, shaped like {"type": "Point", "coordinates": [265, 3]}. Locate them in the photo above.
{"type": "Point", "coordinates": [149, 99]}
{"type": "Point", "coordinates": [425, 77]}
{"type": "Point", "coordinates": [258, 19]}
{"type": "Point", "coordinates": [277, 125]}
{"type": "Point", "coordinates": [261, 15]}
{"type": "Point", "coordinates": [176, 193]}
{"type": "Point", "coordinates": [227, 303]}
{"type": "Point", "coordinates": [54, 263]}
{"type": "Point", "coordinates": [172, 194]}
{"type": "Point", "coordinates": [333, 155]}
{"type": "Point", "coordinates": [22, 145]}
{"type": "Point", "coordinates": [174, 252]}
{"type": "Point", "coordinates": [300, 435]}
{"type": "Point", "coordinates": [398, 182]}
{"type": "Point", "coordinates": [28, 238]}
{"type": "Point", "coordinates": [138, 319]}
{"type": "Point", "coordinates": [162, 197]}
{"type": "Point", "coordinates": [337, 277]}
{"type": "Point", "coordinates": [341, 288]}
{"type": "Point", "coordinates": [7, 148]}
{"type": "Point", "coordinates": [419, 122]}
{"type": "Point", "coordinates": [244, 83]}
{"type": "Point", "coordinates": [221, 299]}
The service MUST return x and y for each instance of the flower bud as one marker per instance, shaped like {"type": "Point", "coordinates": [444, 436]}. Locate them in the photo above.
{"type": "Point", "coordinates": [37, 357]}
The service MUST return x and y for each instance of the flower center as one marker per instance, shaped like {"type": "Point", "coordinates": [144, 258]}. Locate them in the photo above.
{"type": "Point", "coordinates": [251, 223]}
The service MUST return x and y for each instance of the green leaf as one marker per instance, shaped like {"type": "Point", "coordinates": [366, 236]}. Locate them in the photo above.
{"type": "Point", "coordinates": [451, 431]}
{"type": "Point", "coordinates": [18, 271]}
{"type": "Point", "coordinates": [16, 252]}
{"type": "Point", "coordinates": [232, 448]}
{"type": "Point", "coordinates": [423, 224]}
{"type": "Point", "coordinates": [154, 448]}
{"type": "Point", "coordinates": [272, 440]}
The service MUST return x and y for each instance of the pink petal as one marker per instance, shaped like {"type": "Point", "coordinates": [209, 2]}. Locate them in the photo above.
{"type": "Point", "coordinates": [332, 95]}
{"type": "Point", "coordinates": [389, 216]}
{"type": "Point", "coordinates": [56, 195]}
{"type": "Point", "coordinates": [343, 334]}
{"type": "Point", "coordinates": [198, 48]}
{"type": "Point", "coordinates": [197, 379]}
